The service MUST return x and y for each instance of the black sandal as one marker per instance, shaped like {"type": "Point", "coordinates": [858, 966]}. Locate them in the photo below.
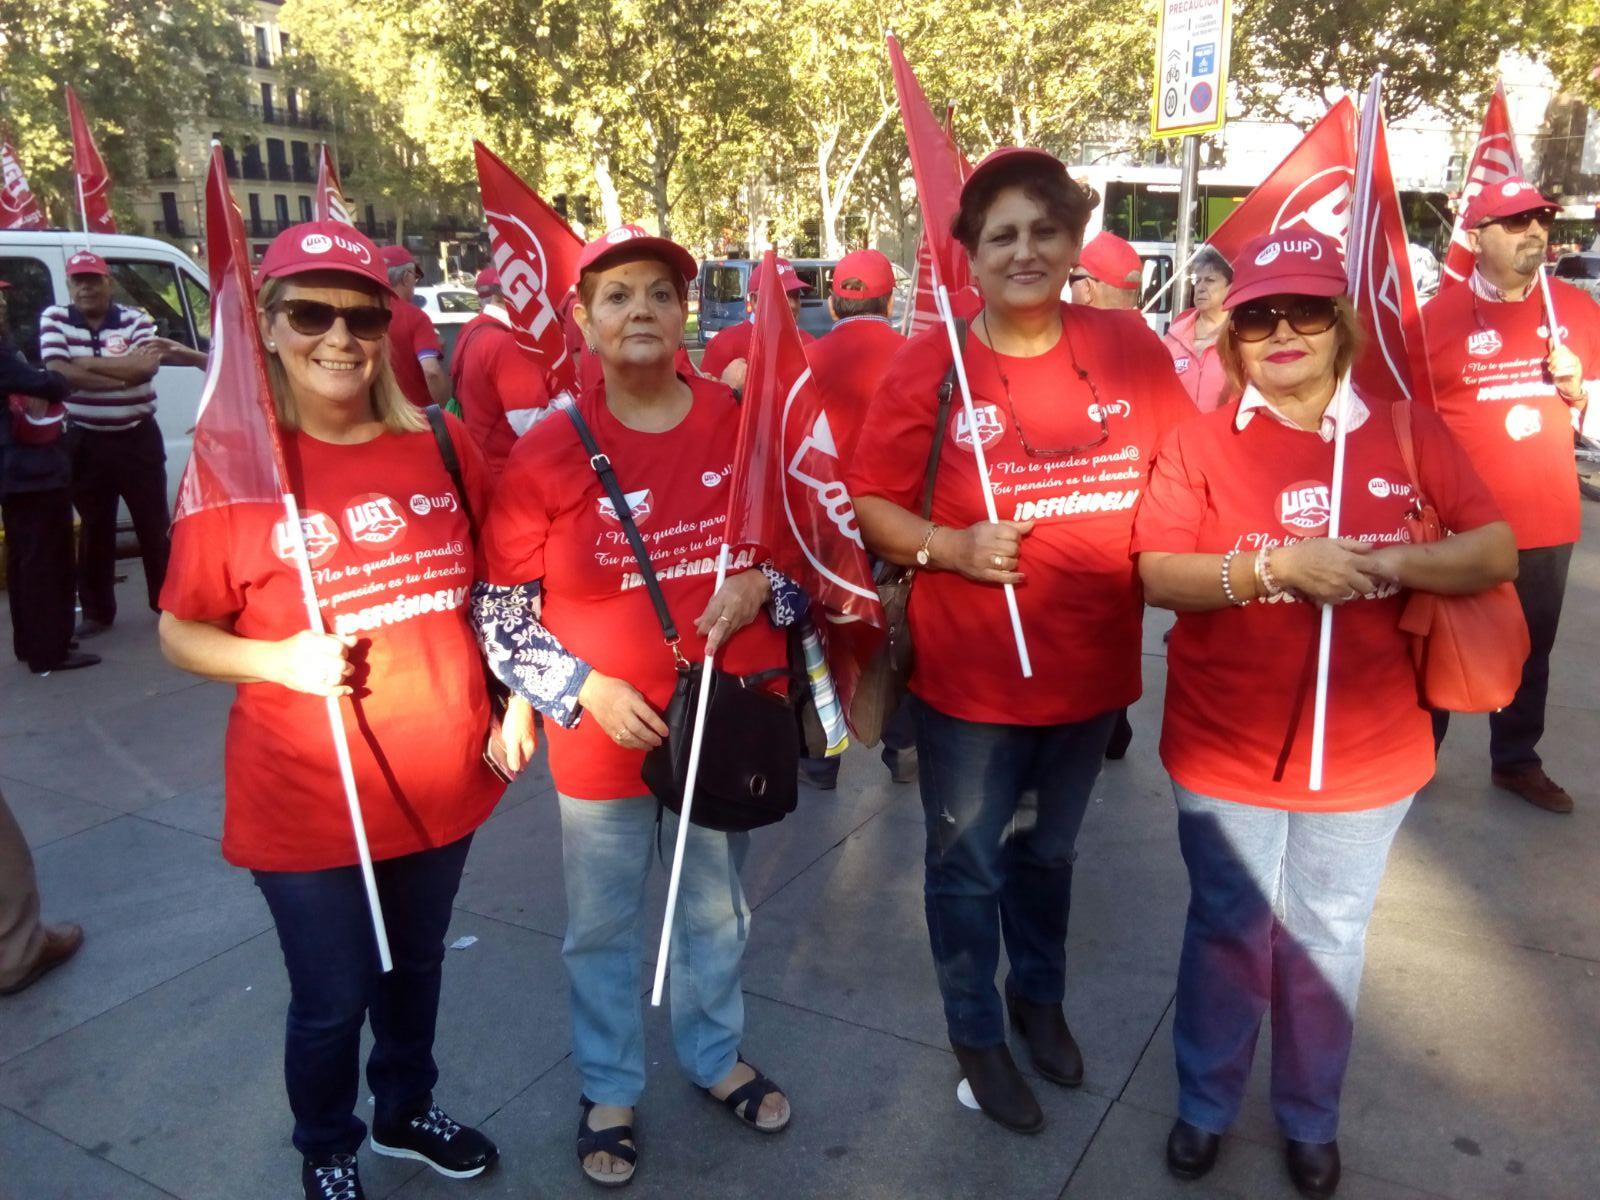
{"type": "Point", "coordinates": [608, 1141]}
{"type": "Point", "coordinates": [748, 1097]}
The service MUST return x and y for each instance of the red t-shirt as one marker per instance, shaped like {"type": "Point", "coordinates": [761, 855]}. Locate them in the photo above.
{"type": "Point", "coordinates": [1081, 605]}
{"type": "Point", "coordinates": [553, 522]}
{"type": "Point", "coordinates": [1241, 680]}
{"type": "Point", "coordinates": [493, 376]}
{"type": "Point", "coordinates": [412, 337]}
{"type": "Point", "coordinates": [732, 344]}
{"type": "Point", "coordinates": [1492, 389]}
{"type": "Point", "coordinates": [848, 363]}
{"type": "Point", "coordinates": [393, 564]}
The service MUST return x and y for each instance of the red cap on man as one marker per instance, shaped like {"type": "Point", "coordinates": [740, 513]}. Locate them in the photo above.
{"type": "Point", "coordinates": [1507, 199]}
{"type": "Point", "coordinates": [323, 246]}
{"type": "Point", "coordinates": [397, 256]}
{"type": "Point", "coordinates": [85, 263]}
{"type": "Point", "coordinates": [863, 275]}
{"type": "Point", "coordinates": [1291, 262]}
{"type": "Point", "coordinates": [1111, 260]}
{"type": "Point", "coordinates": [487, 281]}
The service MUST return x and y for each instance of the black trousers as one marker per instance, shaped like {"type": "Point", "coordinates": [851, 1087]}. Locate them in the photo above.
{"type": "Point", "coordinates": [130, 465]}
{"type": "Point", "coordinates": [38, 529]}
{"type": "Point", "coordinates": [1515, 730]}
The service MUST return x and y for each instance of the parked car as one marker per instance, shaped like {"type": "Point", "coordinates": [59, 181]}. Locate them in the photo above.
{"type": "Point", "coordinates": [1580, 270]}
{"type": "Point", "coordinates": [156, 276]}
{"type": "Point", "coordinates": [449, 306]}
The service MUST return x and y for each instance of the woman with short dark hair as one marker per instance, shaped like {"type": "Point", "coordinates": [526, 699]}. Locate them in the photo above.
{"type": "Point", "coordinates": [1192, 337]}
{"type": "Point", "coordinates": [1069, 402]}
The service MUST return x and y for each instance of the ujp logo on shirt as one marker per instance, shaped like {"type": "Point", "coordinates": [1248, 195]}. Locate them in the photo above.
{"type": "Point", "coordinates": [1544, 332]}
{"type": "Point", "coordinates": [1485, 343]}
{"type": "Point", "coordinates": [1116, 408]}
{"type": "Point", "coordinates": [320, 535]}
{"type": "Point", "coordinates": [1322, 203]}
{"type": "Point", "coordinates": [423, 505]}
{"type": "Point", "coordinates": [1382, 488]}
{"type": "Point", "coordinates": [1303, 507]}
{"type": "Point", "coordinates": [373, 520]}
{"type": "Point", "coordinates": [1523, 422]}
{"type": "Point", "coordinates": [639, 504]}
{"type": "Point", "coordinates": [990, 426]}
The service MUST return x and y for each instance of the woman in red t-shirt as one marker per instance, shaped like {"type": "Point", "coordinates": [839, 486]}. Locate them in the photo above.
{"type": "Point", "coordinates": [391, 555]}
{"type": "Point", "coordinates": [1231, 536]}
{"type": "Point", "coordinates": [1068, 404]}
{"type": "Point", "coordinates": [570, 627]}
{"type": "Point", "coordinates": [1191, 339]}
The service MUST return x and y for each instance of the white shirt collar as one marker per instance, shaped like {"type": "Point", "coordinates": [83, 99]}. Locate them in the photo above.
{"type": "Point", "coordinates": [497, 312]}
{"type": "Point", "coordinates": [1253, 402]}
{"type": "Point", "coordinates": [1484, 290]}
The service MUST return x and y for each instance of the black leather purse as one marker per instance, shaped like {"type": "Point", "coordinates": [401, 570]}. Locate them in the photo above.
{"type": "Point", "coordinates": [750, 760]}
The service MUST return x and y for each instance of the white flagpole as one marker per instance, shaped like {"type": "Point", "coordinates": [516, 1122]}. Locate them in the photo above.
{"type": "Point", "coordinates": [696, 745]}
{"type": "Point", "coordinates": [1549, 310]}
{"type": "Point", "coordinates": [1173, 278]}
{"type": "Point", "coordinates": [943, 294]}
{"type": "Point", "coordinates": [83, 208]}
{"type": "Point", "coordinates": [341, 744]}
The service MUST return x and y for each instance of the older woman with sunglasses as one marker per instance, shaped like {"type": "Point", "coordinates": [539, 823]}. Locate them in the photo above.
{"type": "Point", "coordinates": [1069, 402]}
{"type": "Point", "coordinates": [1231, 536]}
{"type": "Point", "coordinates": [392, 556]}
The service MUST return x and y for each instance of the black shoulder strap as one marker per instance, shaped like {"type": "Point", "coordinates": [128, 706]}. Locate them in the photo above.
{"type": "Point", "coordinates": [947, 391]}
{"type": "Point", "coordinates": [608, 480]}
{"type": "Point", "coordinates": [447, 451]}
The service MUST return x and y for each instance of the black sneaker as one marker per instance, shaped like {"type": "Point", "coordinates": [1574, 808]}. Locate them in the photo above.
{"type": "Point", "coordinates": [331, 1178]}
{"type": "Point", "coordinates": [75, 660]}
{"type": "Point", "coordinates": [450, 1148]}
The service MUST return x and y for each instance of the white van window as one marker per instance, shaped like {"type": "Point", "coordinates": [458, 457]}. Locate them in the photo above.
{"type": "Point", "coordinates": [199, 309]}
{"type": "Point", "coordinates": [153, 286]}
{"type": "Point", "coordinates": [31, 292]}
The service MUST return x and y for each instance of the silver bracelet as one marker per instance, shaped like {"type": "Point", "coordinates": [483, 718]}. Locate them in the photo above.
{"type": "Point", "coordinates": [1227, 584]}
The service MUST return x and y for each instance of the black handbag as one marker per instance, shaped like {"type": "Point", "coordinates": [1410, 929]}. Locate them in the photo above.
{"type": "Point", "coordinates": [750, 759]}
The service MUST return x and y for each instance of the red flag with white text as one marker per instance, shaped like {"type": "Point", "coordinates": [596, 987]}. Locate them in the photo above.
{"type": "Point", "coordinates": [1311, 188]}
{"type": "Point", "coordinates": [237, 458]}
{"type": "Point", "coordinates": [19, 208]}
{"type": "Point", "coordinates": [329, 203]}
{"type": "Point", "coordinates": [93, 180]}
{"type": "Point", "coordinates": [1378, 261]}
{"type": "Point", "coordinates": [536, 254]}
{"type": "Point", "coordinates": [1494, 160]}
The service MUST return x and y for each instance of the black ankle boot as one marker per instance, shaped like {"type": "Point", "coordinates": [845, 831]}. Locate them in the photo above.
{"type": "Point", "coordinates": [1314, 1167]}
{"type": "Point", "coordinates": [999, 1088]}
{"type": "Point", "coordinates": [1050, 1042]}
{"type": "Point", "coordinates": [1191, 1151]}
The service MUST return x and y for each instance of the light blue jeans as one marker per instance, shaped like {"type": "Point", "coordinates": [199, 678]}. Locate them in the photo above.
{"type": "Point", "coordinates": [1278, 908]}
{"type": "Point", "coordinates": [606, 850]}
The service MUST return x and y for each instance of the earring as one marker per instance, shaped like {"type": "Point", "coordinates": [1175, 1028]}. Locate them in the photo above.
{"type": "Point", "coordinates": [272, 347]}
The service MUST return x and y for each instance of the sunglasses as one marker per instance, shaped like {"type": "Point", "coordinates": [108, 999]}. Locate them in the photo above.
{"type": "Point", "coordinates": [1079, 277]}
{"type": "Point", "coordinates": [1519, 222]}
{"type": "Point", "coordinates": [1256, 320]}
{"type": "Point", "coordinates": [313, 318]}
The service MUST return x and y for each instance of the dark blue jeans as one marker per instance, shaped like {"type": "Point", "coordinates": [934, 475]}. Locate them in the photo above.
{"type": "Point", "coordinates": [336, 986]}
{"type": "Point", "coordinates": [1003, 804]}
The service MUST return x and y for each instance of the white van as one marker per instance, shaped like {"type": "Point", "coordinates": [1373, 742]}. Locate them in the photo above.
{"type": "Point", "coordinates": [154, 275]}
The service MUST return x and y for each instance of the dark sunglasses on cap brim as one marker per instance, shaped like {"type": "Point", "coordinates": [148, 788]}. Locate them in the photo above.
{"type": "Point", "coordinates": [313, 318]}
{"type": "Point", "coordinates": [1255, 320]}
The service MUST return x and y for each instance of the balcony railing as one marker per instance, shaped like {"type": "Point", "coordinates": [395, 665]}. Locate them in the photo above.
{"type": "Point", "coordinates": [279, 171]}
{"type": "Point", "coordinates": [304, 173]}
{"type": "Point", "coordinates": [171, 228]}
{"type": "Point", "coordinates": [265, 228]}
{"type": "Point", "coordinates": [253, 170]}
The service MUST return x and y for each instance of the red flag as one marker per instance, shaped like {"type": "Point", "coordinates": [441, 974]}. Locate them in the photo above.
{"type": "Point", "coordinates": [536, 253]}
{"type": "Point", "coordinates": [1494, 160]}
{"type": "Point", "coordinates": [1311, 187]}
{"type": "Point", "coordinates": [329, 203]}
{"type": "Point", "coordinates": [1379, 264]}
{"type": "Point", "coordinates": [237, 458]}
{"type": "Point", "coordinates": [93, 180]}
{"type": "Point", "coordinates": [939, 169]}
{"type": "Point", "coordinates": [923, 311]}
{"type": "Point", "coordinates": [19, 208]}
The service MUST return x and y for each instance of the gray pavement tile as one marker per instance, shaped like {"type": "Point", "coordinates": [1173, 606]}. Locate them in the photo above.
{"type": "Point", "coordinates": [875, 1116]}
{"type": "Point", "coordinates": [183, 1085]}
{"type": "Point", "coordinates": [1469, 1075]}
{"type": "Point", "coordinates": [198, 811]}
{"type": "Point", "coordinates": [1127, 1158]}
{"type": "Point", "coordinates": [47, 816]}
{"type": "Point", "coordinates": [38, 1165]}
{"type": "Point", "coordinates": [153, 902]}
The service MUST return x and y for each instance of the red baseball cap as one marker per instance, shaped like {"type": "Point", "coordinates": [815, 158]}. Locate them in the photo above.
{"type": "Point", "coordinates": [1112, 260]}
{"type": "Point", "coordinates": [633, 242]}
{"type": "Point", "coordinates": [323, 246]}
{"type": "Point", "coordinates": [1292, 262]}
{"type": "Point", "coordinates": [1507, 199]}
{"type": "Point", "coordinates": [868, 268]}
{"type": "Point", "coordinates": [1005, 155]}
{"type": "Point", "coordinates": [787, 276]}
{"type": "Point", "coordinates": [396, 256]}
{"type": "Point", "coordinates": [487, 280]}
{"type": "Point", "coordinates": [85, 263]}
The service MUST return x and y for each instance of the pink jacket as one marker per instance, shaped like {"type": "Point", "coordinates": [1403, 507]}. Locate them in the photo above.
{"type": "Point", "coordinates": [1200, 373]}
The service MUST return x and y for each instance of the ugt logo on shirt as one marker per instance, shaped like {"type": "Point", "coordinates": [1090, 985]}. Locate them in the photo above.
{"type": "Point", "coordinates": [639, 504]}
{"type": "Point", "coordinates": [1485, 343]}
{"type": "Point", "coordinates": [373, 520]}
{"type": "Point", "coordinates": [1303, 507]}
{"type": "Point", "coordinates": [318, 532]}
{"type": "Point", "coordinates": [990, 425]}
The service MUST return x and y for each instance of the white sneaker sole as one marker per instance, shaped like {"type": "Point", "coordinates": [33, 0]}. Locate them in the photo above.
{"type": "Point", "coordinates": [398, 1152]}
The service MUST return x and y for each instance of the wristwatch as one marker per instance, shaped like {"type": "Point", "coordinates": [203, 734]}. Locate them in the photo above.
{"type": "Point", "coordinates": [925, 552]}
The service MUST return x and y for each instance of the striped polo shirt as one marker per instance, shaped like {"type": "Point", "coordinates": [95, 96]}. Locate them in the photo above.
{"type": "Point", "coordinates": [65, 335]}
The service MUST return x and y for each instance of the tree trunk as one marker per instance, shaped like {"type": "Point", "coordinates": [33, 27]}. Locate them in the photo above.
{"type": "Point", "coordinates": [826, 141]}
{"type": "Point", "coordinates": [610, 202]}
{"type": "Point", "coordinates": [658, 195]}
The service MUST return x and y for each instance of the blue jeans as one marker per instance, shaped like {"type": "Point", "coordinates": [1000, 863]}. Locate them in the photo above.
{"type": "Point", "coordinates": [1279, 903]}
{"type": "Point", "coordinates": [606, 848]}
{"type": "Point", "coordinates": [335, 986]}
{"type": "Point", "coordinates": [1002, 804]}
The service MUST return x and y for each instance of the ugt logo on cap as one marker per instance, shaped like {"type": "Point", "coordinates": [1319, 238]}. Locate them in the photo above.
{"type": "Point", "coordinates": [316, 243]}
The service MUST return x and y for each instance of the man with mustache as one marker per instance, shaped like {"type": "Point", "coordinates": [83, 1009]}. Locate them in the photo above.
{"type": "Point", "coordinates": [1512, 389]}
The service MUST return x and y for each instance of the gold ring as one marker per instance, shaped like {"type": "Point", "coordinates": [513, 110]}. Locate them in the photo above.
{"type": "Point", "coordinates": [998, 562]}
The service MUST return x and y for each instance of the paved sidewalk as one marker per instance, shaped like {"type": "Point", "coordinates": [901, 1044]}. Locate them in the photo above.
{"type": "Point", "coordinates": [149, 1067]}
